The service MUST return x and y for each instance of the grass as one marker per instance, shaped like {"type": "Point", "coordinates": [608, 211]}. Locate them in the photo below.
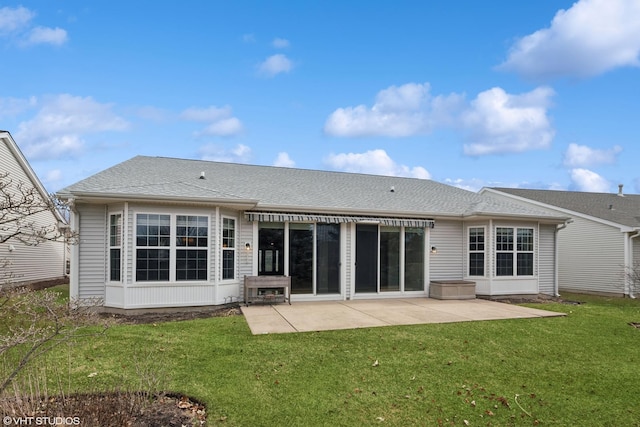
{"type": "Point", "coordinates": [581, 369]}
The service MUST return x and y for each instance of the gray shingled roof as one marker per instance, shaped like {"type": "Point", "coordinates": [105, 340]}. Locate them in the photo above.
{"type": "Point", "coordinates": [289, 189]}
{"type": "Point", "coordinates": [623, 210]}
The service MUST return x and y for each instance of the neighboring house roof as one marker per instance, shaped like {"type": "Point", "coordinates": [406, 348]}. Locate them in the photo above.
{"type": "Point", "coordinates": [289, 189]}
{"type": "Point", "coordinates": [7, 139]}
{"type": "Point", "coordinates": [618, 208]}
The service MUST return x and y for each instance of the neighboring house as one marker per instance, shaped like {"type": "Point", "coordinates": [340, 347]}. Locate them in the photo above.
{"type": "Point", "coordinates": [164, 232]}
{"type": "Point", "coordinates": [22, 263]}
{"type": "Point", "coordinates": [600, 248]}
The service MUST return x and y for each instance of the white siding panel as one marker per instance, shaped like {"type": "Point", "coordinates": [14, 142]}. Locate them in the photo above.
{"type": "Point", "coordinates": [591, 257]}
{"type": "Point", "coordinates": [168, 295]}
{"type": "Point", "coordinates": [92, 251]}
{"type": "Point", "coordinates": [30, 263]}
{"type": "Point", "coordinates": [448, 238]}
{"type": "Point", "coordinates": [546, 260]}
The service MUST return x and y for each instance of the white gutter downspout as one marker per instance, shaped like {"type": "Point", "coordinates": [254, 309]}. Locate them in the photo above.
{"type": "Point", "coordinates": [74, 224]}
{"type": "Point", "coordinates": [631, 266]}
{"type": "Point", "coordinates": [557, 253]}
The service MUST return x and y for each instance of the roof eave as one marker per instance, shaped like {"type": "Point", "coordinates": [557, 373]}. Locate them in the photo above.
{"type": "Point", "coordinates": [79, 196]}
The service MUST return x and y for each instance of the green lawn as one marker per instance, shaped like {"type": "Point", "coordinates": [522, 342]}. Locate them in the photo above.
{"type": "Point", "coordinates": [582, 369]}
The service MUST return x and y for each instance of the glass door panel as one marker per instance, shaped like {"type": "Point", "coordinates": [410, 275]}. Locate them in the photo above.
{"type": "Point", "coordinates": [328, 258]}
{"type": "Point", "coordinates": [301, 258]}
{"type": "Point", "coordinates": [414, 259]}
{"type": "Point", "coordinates": [366, 258]}
{"type": "Point", "coordinates": [271, 249]}
{"type": "Point", "coordinates": [389, 259]}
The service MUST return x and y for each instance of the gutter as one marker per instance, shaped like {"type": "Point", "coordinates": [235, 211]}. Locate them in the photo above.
{"type": "Point", "coordinates": [631, 294]}
{"type": "Point", "coordinates": [557, 253]}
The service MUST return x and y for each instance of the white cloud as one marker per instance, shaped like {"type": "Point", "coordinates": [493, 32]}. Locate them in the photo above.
{"type": "Point", "coordinates": [586, 180]}
{"type": "Point", "coordinates": [61, 123]}
{"type": "Point", "coordinates": [590, 38]}
{"type": "Point", "coordinates": [17, 23]}
{"type": "Point", "coordinates": [43, 35]}
{"type": "Point", "coordinates": [283, 160]}
{"type": "Point", "coordinates": [10, 107]}
{"type": "Point", "coordinates": [220, 120]}
{"type": "Point", "coordinates": [212, 152]}
{"type": "Point", "coordinates": [399, 111]}
{"type": "Point", "coordinates": [14, 19]}
{"type": "Point", "coordinates": [583, 156]}
{"type": "Point", "coordinates": [275, 64]}
{"type": "Point", "coordinates": [498, 122]}
{"type": "Point", "coordinates": [248, 38]}
{"type": "Point", "coordinates": [375, 162]}
{"type": "Point", "coordinates": [279, 43]}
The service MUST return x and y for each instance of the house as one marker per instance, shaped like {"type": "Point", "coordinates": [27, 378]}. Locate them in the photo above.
{"type": "Point", "coordinates": [600, 250]}
{"type": "Point", "coordinates": [25, 259]}
{"type": "Point", "coordinates": [164, 232]}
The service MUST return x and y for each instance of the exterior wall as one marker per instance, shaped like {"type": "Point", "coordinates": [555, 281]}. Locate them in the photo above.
{"type": "Point", "coordinates": [591, 258]}
{"type": "Point", "coordinates": [448, 238]}
{"type": "Point", "coordinates": [546, 260]}
{"type": "Point", "coordinates": [27, 264]}
{"type": "Point", "coordinates": [92, 251]}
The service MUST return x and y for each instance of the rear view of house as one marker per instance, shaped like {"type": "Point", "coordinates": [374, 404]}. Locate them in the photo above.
{"type": "Point", "coordinates": [165, 232]}
{"type": "Point", "coordinates": [27, 221]}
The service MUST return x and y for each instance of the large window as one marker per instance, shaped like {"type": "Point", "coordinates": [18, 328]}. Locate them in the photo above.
{"type": "Point", "coordinates": [192, 244]}
{"type": "Point", "coordinates": [476, 251]}
{"type": "Point", "coordinates": [228, 248]}
{"type": "Point", "coordinates": [115, 247]}
{"type": "Point", "coordinates": [171, 248]}
{"type": "Point", "coordinates": [514, 251]}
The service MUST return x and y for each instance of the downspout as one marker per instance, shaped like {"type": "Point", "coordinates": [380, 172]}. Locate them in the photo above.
{"type": "Point", "coordinates": [557, 252]}
{"type": "Point", "coordinates": [74, 223]}
{"type": "Point", "coordinates": [631, 294]}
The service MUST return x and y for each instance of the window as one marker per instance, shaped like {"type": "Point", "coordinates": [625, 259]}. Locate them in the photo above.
{"type": "Point", "coordinates": [115, 247]}
{"type": "Point", "coordinates": [153, 238]}
{"type": "Point", "coordinates": [414, 239]}
{"type": "Point", "coordinates": [476, 251]}
{"type": "Point", "coordinates": [228, 248]}
{"type": "Point", "coordinates": [192, 247]}
{"type": "Point", "coordinates": [514, 245]}
{"type": "Point", "coordinates": [171, 248]}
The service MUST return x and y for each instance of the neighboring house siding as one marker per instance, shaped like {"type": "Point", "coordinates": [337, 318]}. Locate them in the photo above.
{"type": "Point", "coordinates": [44, 261]}
{"type": "Point", "coordinates": [448, 238]}
{"type": "Point", "coordinates": [591, 257]}
{"type": "Point", "coordinates": [92, 251]}
{"type": "Point", "coordinates": [546, 260]}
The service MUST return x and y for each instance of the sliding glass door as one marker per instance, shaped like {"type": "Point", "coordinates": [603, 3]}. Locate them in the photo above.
{"type": "Point", "coordinates": [301, 258]}
{"type": "Point", "coordinates": [389, 259]}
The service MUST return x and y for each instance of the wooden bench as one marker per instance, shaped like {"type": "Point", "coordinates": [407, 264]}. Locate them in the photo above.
{"type": "Point", "coordinates": [267, 289]}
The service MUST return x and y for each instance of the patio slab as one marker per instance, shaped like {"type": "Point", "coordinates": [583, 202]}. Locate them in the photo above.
{"type": "Point", "coordinates": [331, 315]}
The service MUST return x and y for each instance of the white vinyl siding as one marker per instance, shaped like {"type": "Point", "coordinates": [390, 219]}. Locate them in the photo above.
{"type": "Point", "coordinates": [50, 256]}
{"type": "Point", "coordinates": [546, 260]}
{"type": "Point", "coordinates": [591, 257]}
{"type": "Point", "coordinates": [92, 251]}
{"type": "Point", "coordinates": [449, 238]}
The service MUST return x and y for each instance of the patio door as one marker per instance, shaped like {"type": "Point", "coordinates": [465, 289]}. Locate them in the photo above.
{"type": "Point", "coordinates": [366, 258]}
{"type": "Point", "coordinates": [271, 249]}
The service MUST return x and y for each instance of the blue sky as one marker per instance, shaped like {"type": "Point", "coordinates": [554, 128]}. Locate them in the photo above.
{"type": "Point", "coordinates": [530, 94]}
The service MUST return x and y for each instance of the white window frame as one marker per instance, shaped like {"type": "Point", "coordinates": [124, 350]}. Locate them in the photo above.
{"type": "Point", "coordinates": [118, 245]}
{"type": "Point", "coordinates": [515, 251]}
{"type": "Point", "coordinates": [232, 248]}
{"type": "Point", "coordinates": [477, 251]}
{"type": "Point", "coordinates": [173, 247]}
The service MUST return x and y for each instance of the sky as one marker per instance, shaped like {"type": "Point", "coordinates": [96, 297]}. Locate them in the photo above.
{"type": "Point", "coordinates": [499, 93]}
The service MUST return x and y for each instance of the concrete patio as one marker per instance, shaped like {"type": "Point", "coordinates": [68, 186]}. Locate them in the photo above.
{"type": "Point", "coordinates": [331, 315]}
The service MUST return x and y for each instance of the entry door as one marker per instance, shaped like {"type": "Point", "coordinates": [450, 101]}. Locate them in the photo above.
{"type": "Point", "coordinates": [271, 249]}
{"type": "Point", "coordinates": [366, 258]}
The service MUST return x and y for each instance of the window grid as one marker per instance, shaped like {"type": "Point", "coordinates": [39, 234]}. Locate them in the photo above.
{"type": "Point", "coordinates": [476, 251]}
{"type": "Point", "coordinates": [228, 248]}
{"type": "Point", "coordinates": [515, 255]}
{"type": "Point", "coordinates": [161, 238]}
{"type": "Point", "coordinates": [115, 247]}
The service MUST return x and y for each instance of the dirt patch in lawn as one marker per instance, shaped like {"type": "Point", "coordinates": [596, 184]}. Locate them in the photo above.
{"type": "Point", "coordinates": [174, 314]}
